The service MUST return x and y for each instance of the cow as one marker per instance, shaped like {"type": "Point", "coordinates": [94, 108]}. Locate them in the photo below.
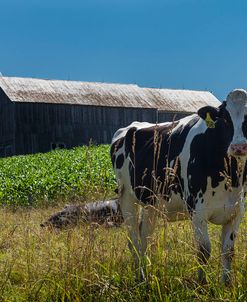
{"type": "Point", "coordinates": [190, 168]}
{"type": "Point", "coordinates": [105, 212]}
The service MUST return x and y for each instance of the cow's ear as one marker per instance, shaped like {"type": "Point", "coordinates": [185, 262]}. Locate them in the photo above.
{"type": "Point", "coordinates": [209, 114]}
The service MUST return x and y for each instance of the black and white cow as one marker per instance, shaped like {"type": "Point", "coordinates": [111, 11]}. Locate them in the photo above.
{"type": "Point", "coordinates": [194, 166]}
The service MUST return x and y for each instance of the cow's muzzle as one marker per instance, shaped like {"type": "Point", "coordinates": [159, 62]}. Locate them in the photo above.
{"type": "Point", "coordinates": [238, 149]}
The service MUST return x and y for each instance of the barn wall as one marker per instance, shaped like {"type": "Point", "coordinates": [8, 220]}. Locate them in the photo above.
{"type": "Point", "coordinates": [40, 126]}
{"type": "Point", "coordinates": [102, 122]}
{"type": "Point", "coordinates": [170, 116]}
{"type": "Point", "coordinates": [7, 147]}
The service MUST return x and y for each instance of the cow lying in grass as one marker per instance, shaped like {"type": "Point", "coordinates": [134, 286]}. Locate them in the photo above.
{"type": "Point", "coordinates": [100, 212]}
{"type": "Point", "coordinates": [194, 166]}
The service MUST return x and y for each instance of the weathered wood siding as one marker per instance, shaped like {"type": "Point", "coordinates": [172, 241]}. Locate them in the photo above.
{"type": "Point", "coordinates": [170, 116]}
{"type": "Point", "coordinates": [7, 147]}
{"type": "Point", "coordinates": [32, 127]}
{"type": "Point", "coordinates": [38, 126]}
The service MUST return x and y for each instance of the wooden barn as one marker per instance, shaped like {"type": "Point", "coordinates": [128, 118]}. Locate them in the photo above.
{"type": "Point", "coordinates": [40, 115]}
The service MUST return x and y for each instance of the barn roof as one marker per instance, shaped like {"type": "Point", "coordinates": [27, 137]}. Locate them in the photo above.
{"type": "Point", "coordinates": [31, 90]}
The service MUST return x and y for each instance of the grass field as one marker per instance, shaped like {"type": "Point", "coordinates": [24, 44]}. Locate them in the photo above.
{"type": "Point", "coordinates": [89, 263]}
{"type": "Point", "coordinates": [93, 264]}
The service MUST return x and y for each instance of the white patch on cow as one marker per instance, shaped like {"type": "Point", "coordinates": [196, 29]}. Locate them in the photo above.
{"type": "Point", "coordinates": [176, 209]}
{"type": "Point", "coordinates": [139, 125]}
{"type": "Point", "coordinates": [122, 131]}
{"type": "Point", "coordinates": [222, 207]}
{"type": "Point", "coordinates": [236, 106]}
{"type": "Point", "coordinates": [184, 121]}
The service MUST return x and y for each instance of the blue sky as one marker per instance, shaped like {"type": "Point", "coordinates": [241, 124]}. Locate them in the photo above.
{"type": "Point", "coordinates": [188, 44]}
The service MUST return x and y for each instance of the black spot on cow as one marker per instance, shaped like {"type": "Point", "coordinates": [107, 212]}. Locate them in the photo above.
{"type": "Point", "coordinates": [245, 174]}
{"type": "Point", "coordinates": [202, 200]}
{"type": "Point", "coordinates": [209, 151]}
{"type": "Point", "coordinates": [130, 141]}
{"type": "Point", "coordinates": [154, 148]}
{"type": "Point", "coordinates": [244, 126]}
{"type": "Point", "coordinates": [119, 161]}
{"type": "Point", "coordinates": [113, 158]}
{"type": "Point", "coordinates": [200, 194]}
{"type": "Point", "coordinates": [213, 193]}
{"type": "Point", "coordinates": [231, 167]}
{"type": "Point", "coordinates": [115, 147]}
{"type": "Point", "coordinates": [177, 185]}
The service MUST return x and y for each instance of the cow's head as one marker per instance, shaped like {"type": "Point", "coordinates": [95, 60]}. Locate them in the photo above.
{"type": "Point", "coordinates": [230, 121]}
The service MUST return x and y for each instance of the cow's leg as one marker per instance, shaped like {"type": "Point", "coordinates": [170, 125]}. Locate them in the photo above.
{"type": "Point", "coordinates": [130, 212]}
{"type": "Point", "coordinates": [229, 232]}
{"type": "Point", "coordinates": [204, 246]}
{"type": "Point", "coordinates": [147, 225]}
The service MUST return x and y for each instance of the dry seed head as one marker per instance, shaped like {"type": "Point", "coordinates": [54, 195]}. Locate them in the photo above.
{"type": "Point", "coordinates": [144, 174]}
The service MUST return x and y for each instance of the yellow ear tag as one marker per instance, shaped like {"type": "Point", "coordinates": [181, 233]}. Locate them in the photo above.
{"type": "Point", "coordinates": [209, 122]}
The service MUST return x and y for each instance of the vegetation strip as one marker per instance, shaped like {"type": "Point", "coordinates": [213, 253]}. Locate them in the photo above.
{"type": "Point", "coordinates": [62, 174]}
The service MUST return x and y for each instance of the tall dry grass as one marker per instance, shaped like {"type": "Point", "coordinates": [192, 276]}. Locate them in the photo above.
{"type": "Point", "coordinates": [90, 263]}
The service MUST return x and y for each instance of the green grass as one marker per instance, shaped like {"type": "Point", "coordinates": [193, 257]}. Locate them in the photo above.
{"type": "Point", "coordinates": [91, 263]}
{"type": "Point", "coordinates": [64, 174]}
{"type": "Point", "coordinates": [94, 264]}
